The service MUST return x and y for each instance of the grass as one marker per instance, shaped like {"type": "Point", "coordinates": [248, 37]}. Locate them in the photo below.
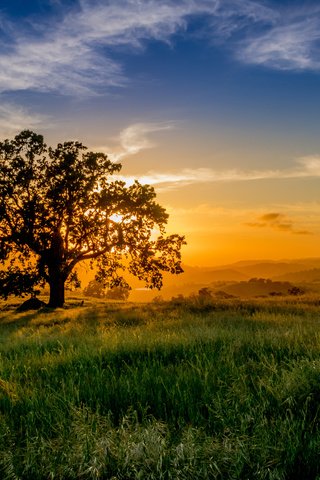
{"type": "Point", "coordinates": [227, 390]}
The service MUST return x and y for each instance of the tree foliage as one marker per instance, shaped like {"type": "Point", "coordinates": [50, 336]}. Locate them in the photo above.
{"type": "Point", "coordinates": [98, 290]}
{"type": "Point", "coordinates": [60, 206]}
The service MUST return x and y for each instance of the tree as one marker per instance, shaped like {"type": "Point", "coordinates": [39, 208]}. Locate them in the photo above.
{"type": "Point", "coordinates": [205, 293]}
{"type": "Point", "coordinates": [296, 291]}
{"type": "Point", "coordinates": [59, 206]}
{"type": "Point", "coordinates": [97, 289]}
{"type": "Point", "coordinates": [118, 293]}
{"type": "Point", "coordinates": [94, 289]}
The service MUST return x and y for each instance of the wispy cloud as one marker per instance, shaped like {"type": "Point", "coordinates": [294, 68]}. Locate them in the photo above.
{"type": "Point", "coordinates": [189, 176]}
{"type": "Point", "coordinates": [217, 219]}
{"type": "Point", "coordinates": [134, 139]}
{"type": "Point", "coordinates": [277, 221]}
{"type": "Point", "coordinates": [270, 217]}
{"type": "Point", "coordinates": [309, 166]}
{"type": "Point", "coordinates": [290, 45]}
{"type": "Point", "coordinates": [74, 55]}
{"type": "Point", "coordinates": [73, 51]}
{"type": "Point", "coordinates": [234, 16]}
{"type": "Point", "coordinates": [275, 36]}
{"type": "Point", "coordinates": [13, 119]}
{"type": "Point", "coordinates": [306, 167]}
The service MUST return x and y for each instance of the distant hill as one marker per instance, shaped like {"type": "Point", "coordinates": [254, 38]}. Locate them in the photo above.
{"type": "Point", "coordinates": [208, 275]}
{"type": "Point", "coordinates": [232, 278]}
{"type": "Point", "coordinates": [246, 269]}
{"type": "Point", "coordinates": [269, 269]}
{"type": "Point", "coordinates": [308, 262]}
{"type": "Point", "coordinates": [307, 276]}
{"type": "Point", "coordinates": [258, 287]}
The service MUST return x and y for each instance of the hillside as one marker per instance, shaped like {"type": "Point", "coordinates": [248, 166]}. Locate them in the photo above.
{"type": "Point", "coordinates": [307, 276]}
{"type": "Point", "coordinates": [122, 391]}
{"type": "Point", "coordinates": [259, 287]}
{"type": "Point", "coordinates": [227, 277]}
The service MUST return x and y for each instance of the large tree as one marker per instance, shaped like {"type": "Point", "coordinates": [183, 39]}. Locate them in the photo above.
{"type": "Point", "coordinates": [60, 206]}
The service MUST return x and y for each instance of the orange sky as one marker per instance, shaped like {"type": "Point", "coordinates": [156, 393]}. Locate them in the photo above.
{"type": "Point", "coordinates": [217, 235]}
{"type": "Point", "coordinates": [214, 103]}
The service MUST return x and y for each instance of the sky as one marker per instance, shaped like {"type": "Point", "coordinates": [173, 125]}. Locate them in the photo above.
{"type": "Point", "coordinates": [216, 103]}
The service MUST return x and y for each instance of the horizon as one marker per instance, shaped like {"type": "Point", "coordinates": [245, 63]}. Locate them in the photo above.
{"type": "Point", "coordinates": [255, 261]}
{"type": "Point", "coordinates": [213, 103]}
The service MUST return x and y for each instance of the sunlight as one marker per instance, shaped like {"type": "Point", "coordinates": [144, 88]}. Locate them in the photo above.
{"type": "Point", "coordinates": [116, 217]}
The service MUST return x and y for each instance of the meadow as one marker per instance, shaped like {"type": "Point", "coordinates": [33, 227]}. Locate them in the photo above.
{"type": "Point", "coordinates": [190, 389]}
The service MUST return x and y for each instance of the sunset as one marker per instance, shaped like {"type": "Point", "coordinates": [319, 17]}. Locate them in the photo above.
{"type": "Point", "coordinates": [159, 239]}
{"type": "Point", "coordinates": [213, 103]}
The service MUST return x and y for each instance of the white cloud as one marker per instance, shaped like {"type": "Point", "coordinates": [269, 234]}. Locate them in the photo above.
{"type": "Point", "coordinates": [306, 167]}
{"type": "Point", "coordinates": [233, 16]}
{"type": "Point", "coordinates": [57, 64]}
{"type": "Point", "coordinates": [134, 139]}
{"type": "Point", "coordinates": [288, 46]}
{"type": "Point", "coordinates": [189, 176]}
{"type": "Point", "coordinates": [72, 53]}
{"type": "Point", "coordinates": [13, 119]}
{"type": "Point", "coordinates": [310, 166]}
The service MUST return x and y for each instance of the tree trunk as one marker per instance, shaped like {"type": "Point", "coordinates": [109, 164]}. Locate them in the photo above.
{"type": "Point", "coordinates": [56, 291]}
{"type": "Point", "coordinates": [55, 270]}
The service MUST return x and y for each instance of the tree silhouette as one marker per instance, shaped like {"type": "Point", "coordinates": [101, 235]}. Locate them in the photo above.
{"type": "Point", "coordinates": [97, 289]}
{"type": "Point", "coordinates": [59, 207]}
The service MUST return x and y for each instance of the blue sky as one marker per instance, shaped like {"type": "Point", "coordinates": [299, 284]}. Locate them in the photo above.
{"type": "Point", "coordinates": [236, 61]}
{"type": "Point", "coordinates": [216, 103]}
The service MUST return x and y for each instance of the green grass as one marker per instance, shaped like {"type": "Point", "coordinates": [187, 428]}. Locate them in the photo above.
{"type": "Point", "coordinates": [195, 390]}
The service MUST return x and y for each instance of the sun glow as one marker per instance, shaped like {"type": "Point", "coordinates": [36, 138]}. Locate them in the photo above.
{"type": "Point", "coordinates": [116, 218]}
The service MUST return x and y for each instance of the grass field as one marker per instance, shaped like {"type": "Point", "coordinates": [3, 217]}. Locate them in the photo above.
{"type": "Point", "coordinates": [191, 390]}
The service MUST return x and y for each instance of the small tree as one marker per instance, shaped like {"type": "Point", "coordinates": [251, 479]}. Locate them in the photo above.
{"type": "Point", "coordinates": [295, 291]}
{"type": "Point", "coordinates": [205, 293]}
{"type": "Point", "coordinates": [94, 289]}
{"type": "Point", "coordinates": [98, 290]}
{"type": "Point", "coordinates": [59, 207]}
{"type": "Point", "coordinates": [118, 293]}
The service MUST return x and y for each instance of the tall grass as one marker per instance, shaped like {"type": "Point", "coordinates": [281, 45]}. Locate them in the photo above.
{"type": "Point", "coordinates": [227, 391]}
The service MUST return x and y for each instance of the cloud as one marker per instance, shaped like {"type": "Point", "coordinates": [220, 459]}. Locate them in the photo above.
{"type": "Point", "coordinates": [303, 232]}
{"type": "Point", "coordinates": [292, 45]}
{"type": "Point", "coordinates": [234, 16]}
{"type": "Point", "coordinates": [134, 139]}
{"type": "Point", "coordinates": [277, 221]}
{"type": "Point", "coordinates": [61, 65]}
{"type": "Point", "coordinates": [74, 54]}
{"type": "Point", "coordinates": [73, 50]}
{"type": "Point", "coordinates": [306, 167]}
{"type": "Point", "coordinates": [256, 224]}
{"type": "Point", "coordinates": [13, 119]}
{"type": "Point", "coordinates": [310, 165]}
{"type": "Point", "coordinates": [270, 217]}
{"type": "Point", "coordinates": [274, 36]}
{"type": "Point", "coordinates": [189, 176]}
{"type": "Point", "coordinates": [293, 219]}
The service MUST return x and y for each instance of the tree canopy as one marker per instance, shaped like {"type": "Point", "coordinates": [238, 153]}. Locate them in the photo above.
{"type": "Point", "coordinates": [97, 289]}
{"type": "Point", "coordinates": [60, 206]}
